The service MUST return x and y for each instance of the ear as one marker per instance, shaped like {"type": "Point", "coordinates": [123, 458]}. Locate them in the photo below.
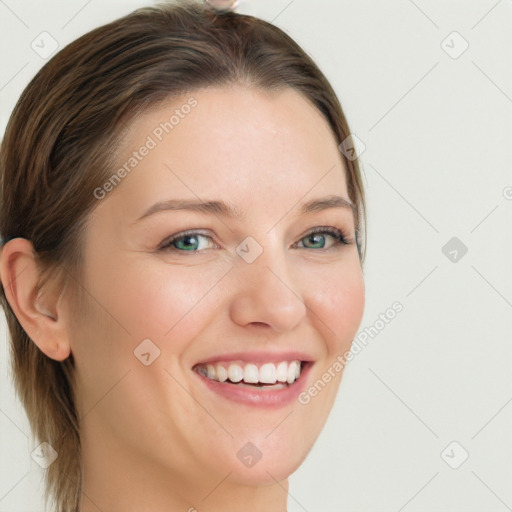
{"type": "Point", "coordinates": [42, 321]}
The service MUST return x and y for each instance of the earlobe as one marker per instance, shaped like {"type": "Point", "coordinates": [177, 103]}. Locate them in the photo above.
{"type": "Point", "coordinates": [42, 322]}
{"type": "Point", "coordinates": [55, 350]}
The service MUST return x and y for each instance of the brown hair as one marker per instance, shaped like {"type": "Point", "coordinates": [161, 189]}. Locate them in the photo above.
{"type": "Point", "coordinates": [58, 148]}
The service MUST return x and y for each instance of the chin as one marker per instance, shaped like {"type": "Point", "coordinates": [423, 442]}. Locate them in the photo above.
{"type": "Point", "coordinates": [262, 461]}
{"type": "Point", "coordinates": [264, 473]}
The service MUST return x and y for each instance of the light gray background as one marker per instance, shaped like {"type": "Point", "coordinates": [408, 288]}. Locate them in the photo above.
{"type": "Point", "coordinates": [437, 131]}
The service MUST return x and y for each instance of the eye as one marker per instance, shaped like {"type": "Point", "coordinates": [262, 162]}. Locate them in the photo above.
{"type": "Point", "coordinates": [185, 242]}
{"type": "Point", "coordinates": [317, 236]}
{"type": "Point", "coordinates": [191, 241]}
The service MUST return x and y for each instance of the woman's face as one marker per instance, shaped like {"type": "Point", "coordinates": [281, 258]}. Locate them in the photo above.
{"type": "Point", "coordinates": [257, 289]}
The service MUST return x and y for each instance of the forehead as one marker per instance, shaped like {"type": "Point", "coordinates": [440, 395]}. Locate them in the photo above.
{"type": "Point", "coordinates": [241, 144]}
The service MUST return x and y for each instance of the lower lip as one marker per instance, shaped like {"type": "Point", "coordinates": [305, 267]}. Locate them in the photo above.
{"type": "Point", "coordinates": [262, 397]}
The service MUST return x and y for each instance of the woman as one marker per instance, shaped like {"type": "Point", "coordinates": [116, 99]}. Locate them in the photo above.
{"type": "Point", "coordinates": [181, 262]}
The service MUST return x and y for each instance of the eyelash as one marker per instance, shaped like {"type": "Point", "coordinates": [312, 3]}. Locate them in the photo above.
{"type": "Point", "coordinates": [337, 234]}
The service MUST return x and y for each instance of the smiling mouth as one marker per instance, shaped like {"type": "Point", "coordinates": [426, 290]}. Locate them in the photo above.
{"type": "Point", "coordinates": [247, 374]}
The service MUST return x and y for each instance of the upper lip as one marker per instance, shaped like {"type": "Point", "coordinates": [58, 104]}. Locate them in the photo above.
{"type": "Point", "coordinates": [259, 357]}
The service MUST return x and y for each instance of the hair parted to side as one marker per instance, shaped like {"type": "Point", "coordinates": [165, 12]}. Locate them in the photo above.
{"type": "Point", "coordinates": [59, 146]}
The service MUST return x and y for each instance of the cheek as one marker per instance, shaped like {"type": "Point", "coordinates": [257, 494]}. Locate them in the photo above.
{"type": "Point", "coordinates": [169, 304]}
{"type": "Point", "coordinates": [135, 299]}
{"type": "Point", "coordinates": [129, 301]}
{"type": "Point", "coordinates": [166, 302]}
{"type": "Point", "coordinates": [172, 304]}
{"type": "Point", "coordinates": [338, 305]}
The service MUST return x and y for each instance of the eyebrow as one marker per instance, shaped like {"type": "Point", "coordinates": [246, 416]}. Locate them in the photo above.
{"type": "Point", "coordinates": [230, 211]}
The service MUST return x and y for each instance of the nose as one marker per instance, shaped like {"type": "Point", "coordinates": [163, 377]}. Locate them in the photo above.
{"type": "Point", "coordinates": [266, 294]}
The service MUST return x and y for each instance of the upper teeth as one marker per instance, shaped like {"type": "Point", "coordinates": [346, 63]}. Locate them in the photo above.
{"type": "Point", "coordinates": [267, 373]}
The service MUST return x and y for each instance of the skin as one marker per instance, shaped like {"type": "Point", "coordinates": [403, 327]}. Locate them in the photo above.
{"type": "Point", "coordinates": [154, 433]}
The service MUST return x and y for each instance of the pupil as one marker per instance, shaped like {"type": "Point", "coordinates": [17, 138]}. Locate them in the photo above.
{"type": "Point", "coordinates": [186, 240]}
{"type": "Point", "coordinates": [313, 236]}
